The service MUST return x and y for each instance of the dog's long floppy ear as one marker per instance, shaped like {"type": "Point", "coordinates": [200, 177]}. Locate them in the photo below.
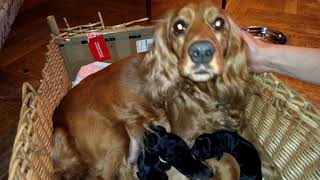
{"type": "Point", "coordinates": [161, 62]}
{"type": "Point", "coordinates": [231, 85]}
{"type": "Point", "coordinates": [162, 45]}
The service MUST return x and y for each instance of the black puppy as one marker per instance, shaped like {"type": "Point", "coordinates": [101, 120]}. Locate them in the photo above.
{"type": "Point", "coordinates": [214, 145]}
{"type": "Point", "coordinates": [172, 149]}
{"type": "Point", "coordinates": [150, 167]}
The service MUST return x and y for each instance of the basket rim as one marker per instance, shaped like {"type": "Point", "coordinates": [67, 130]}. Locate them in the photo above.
{"type": "Point", "coordinates": [307, 111]}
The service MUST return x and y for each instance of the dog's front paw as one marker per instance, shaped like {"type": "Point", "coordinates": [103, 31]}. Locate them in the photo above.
{"type": "Point", "coordinates": [202, 174]}
{"type": "Point", "coordinates": [270, 171]}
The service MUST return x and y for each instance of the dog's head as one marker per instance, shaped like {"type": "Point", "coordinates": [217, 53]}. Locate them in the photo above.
{"type": "Point", "coordinates": [199, 37]}
{"type": "Point", "coordinates": [199, 42]}
{"type": "Point", "coordinates": [204, 42]}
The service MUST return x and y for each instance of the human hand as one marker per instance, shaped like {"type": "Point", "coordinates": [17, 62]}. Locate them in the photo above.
{"type": "Point", "coordinates": [256, 55]}
{"type": "Point", "coordinates": [257, 50]}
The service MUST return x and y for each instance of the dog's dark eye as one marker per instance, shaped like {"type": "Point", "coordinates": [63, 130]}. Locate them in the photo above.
{"type": "Point", "coordinates": [218, 24]}
{"type": "Point", "coordinates": [179, 27]}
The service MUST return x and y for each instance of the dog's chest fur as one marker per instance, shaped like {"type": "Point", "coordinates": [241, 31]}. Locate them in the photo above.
{"type": "Point", "coordinates": [193, 111]}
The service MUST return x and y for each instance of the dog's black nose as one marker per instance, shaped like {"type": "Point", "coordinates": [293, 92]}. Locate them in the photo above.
{"type": "Point", "coordinates": [201, 52]}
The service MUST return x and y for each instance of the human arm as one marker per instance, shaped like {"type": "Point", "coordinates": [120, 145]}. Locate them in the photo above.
{"type": "Point", "coordinates": [297, 62]}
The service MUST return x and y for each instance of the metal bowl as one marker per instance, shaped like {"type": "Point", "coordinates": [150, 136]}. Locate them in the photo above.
{"type": "Point", "coordinates": [266, 34]}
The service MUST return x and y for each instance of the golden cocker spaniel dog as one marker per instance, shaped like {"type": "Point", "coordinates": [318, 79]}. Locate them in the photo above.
{"type": "Point", "coordinates": [193, 81]}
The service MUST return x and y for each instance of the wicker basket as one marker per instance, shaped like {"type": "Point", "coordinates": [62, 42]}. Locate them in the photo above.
{"type": "Point", "coordinates": [286, 124]}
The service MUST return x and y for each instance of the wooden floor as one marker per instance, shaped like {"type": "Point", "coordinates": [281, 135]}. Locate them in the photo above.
{"type": "Point", "coordinates": [299, 20]}
{"type": "Point", "coordinates": [24, 52]}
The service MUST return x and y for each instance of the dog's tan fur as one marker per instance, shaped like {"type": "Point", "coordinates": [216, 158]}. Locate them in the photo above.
{"type": "Point", "coordinates": [97, 122]}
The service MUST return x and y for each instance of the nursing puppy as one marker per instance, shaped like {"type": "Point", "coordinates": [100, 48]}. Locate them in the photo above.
{"type": "Point", "coordinates": [174, 152]}
{"type": "Point", "coordinates": [214, 145]}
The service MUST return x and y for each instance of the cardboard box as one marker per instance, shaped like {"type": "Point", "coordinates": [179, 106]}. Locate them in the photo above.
{"type": "Point", "coordinates": [121, 42]}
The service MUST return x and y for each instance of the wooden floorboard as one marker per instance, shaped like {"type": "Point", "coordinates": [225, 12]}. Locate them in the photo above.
{"type": "Point", "coordinates": [23, 55]}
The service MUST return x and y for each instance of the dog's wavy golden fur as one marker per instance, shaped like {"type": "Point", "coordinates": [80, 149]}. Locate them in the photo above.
{"type": "Point", "coordinates": [100, 123]}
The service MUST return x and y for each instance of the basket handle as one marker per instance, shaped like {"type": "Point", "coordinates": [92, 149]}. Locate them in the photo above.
{"type": "Point", "coordinates": [26, 89]}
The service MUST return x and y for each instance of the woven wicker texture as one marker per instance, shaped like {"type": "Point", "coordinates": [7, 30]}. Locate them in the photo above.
{"type": "Point", "coordinates": [94, 27]}
{"type": "Point", "coordinates": [32, 146]}
{"type": "Point", "coordinates": [286, 124]}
